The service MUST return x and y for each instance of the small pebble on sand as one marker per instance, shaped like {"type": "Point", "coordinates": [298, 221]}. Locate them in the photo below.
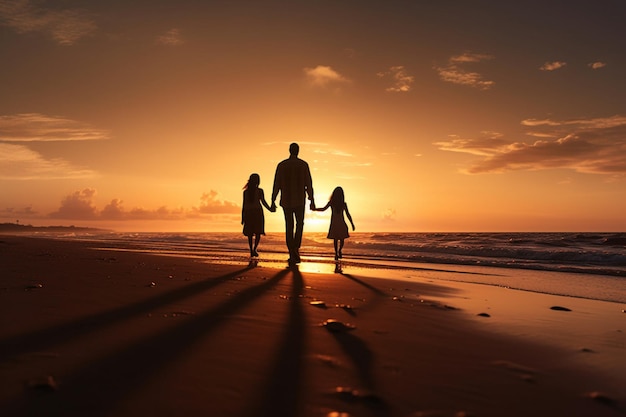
{"type": "Point", "coordinates": [336, 326]}
{"type": "Point", "coordinates": [560, 308]}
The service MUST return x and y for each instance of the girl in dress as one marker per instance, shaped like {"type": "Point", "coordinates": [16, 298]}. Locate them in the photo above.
{"type": "Point", "coordinates": [252, 217]}
{"type": "Point", "coordinates": [338, 230]}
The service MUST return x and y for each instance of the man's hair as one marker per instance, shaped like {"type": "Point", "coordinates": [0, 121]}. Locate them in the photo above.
{"type": "Point", "coordinates": [294, 149]}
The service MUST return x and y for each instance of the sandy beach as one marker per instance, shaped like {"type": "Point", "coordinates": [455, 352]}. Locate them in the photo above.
{"type": "Point", "coordinates": [92, 332]}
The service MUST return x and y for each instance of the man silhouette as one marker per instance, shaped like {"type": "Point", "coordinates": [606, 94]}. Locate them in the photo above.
{"type": "Point", "coordinates": [293, 180]}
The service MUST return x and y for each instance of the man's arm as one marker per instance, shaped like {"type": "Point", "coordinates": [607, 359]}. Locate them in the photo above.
{"type": "Point", "coordinates": [276, 187]}
{"type": "Point", "coordinates": [309, 186]}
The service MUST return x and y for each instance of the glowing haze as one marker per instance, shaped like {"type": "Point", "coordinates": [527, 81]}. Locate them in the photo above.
{"type": "Point", "coordinates": [432, 115]}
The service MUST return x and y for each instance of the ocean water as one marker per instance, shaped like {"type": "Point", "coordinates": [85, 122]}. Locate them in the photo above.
{"type": "Point", "coordinates": [585, 265]}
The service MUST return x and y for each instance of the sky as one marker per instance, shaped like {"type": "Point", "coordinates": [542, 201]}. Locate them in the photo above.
{"type": "Point", "coordinates": [434, 116]}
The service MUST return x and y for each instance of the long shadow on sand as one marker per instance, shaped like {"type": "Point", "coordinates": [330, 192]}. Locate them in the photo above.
{"type": "Point", "coordinates": [282, 396]}
{"type": "Point", "coordinates": [365, 284]}
{"type": "Point", "coordinates": [97, 388]}
{"type": "Point", "coordinates": [45, 338]}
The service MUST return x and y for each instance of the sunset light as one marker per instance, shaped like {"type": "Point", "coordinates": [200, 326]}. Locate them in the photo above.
{"type": "Point", "coordinates": [433, 116]}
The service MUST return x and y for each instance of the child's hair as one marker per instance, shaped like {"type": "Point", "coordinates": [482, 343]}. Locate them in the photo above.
{"type": "Point", "coordinates": [253, 181]}
{"type": "Point", "coordinates": [252, 185]}
{"type": "Point", "coordinates": [337, 198]}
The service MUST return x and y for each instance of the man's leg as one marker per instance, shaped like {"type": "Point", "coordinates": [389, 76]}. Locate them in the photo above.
{"type": "Point", "coordinates": [289, 215]}
{"type": "Point", "coordinates": [299, 214]}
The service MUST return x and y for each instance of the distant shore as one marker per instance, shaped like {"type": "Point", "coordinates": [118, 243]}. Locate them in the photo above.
{"type": "Point", "coordinates": [98, 332]}
{"type": "Point", "coordinates": [26, 228]}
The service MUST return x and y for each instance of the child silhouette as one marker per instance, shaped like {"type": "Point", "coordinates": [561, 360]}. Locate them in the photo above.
{"type": "Point", "coordinates": [338, 230]}
{"type": "Point", "coordinates": [252, 217]}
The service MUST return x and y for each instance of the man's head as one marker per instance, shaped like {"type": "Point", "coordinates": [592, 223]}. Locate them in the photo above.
{"type": "Point", "coordinates": [294, 149]}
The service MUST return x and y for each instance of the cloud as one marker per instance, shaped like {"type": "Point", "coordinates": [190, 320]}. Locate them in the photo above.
{"type": "Point", "coordinates": [552, 66]}
{"type": "Point", "coordinates": [402, 81]}
{"type": "Point", "coordinates": [322, 75]}
{"type": "Point", "coordinates": [17, 162]}
{"type": "Point", "coordinates": [78, 205]}
{"type": "Point", "coordinates": [28, 127]}
{"type": "Point", "coordinates": [210, 204]}
{"type": "Point", "coordinates": [65, 26]}
{"type": "Point", "coordinates": [596, 65]}
{"type": "Point", "coordinates": [485, 145]}
{"type": "Point", "coordinates": [596, 145]}
{"type": "Point", "coordinates": [469, 57]}
{"type": "Point", "coordinates": [114, 210]}
{"type": "Point", "coordinates": [334, 152]}
{"type": "Point", "coordinates": [389, 214]}
{"type": "Point", "coordinates": [18, 212]}
{"type": "Point", "coordinates": [171, 38]}
{"type": "Point", "coordinates": [456, 73]}
{"type": "Point", "coordinates": [595, 123]}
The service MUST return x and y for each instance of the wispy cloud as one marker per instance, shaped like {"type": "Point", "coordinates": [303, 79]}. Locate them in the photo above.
{"type": "Point", "coordinates": [596, 65]}
{"type": "Point", "coordinates": [456, 72]}
{"type": "Point", "coordinates": [81, 205]}
{"type": "Point", "coordinates": [18, 162]}
{"type": "Point", "coordinates": [484, 145]}
{"type": "Point", "coordinates": [552, 66]}
{"type": "Point", "coordinates": [594, 123]}
{"type": "Point", "coordinates": [595, 145]}
{"type": "Point", "coordinates": [172, 37]}
{"type": "Point", "coordinates": [18, 212]}
{"type": "Point", "coordinates": [389, 214]}
{"type": "Point", "coordinates": [469, 57]}
{"type": "Point", "coordinates": [65, 26]}
{"type": "Point", "coordinates": [402, 81]}
{"type": "Point", "coordinates": [29, 127]}
{"type": "Point", "coordinates": [334, 152]}
{"type": "Point", "coordinates": [322, 76]}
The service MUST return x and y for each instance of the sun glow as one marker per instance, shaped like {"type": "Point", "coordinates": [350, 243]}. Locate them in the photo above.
{"type": "Point", "coordinates": [316, 221]}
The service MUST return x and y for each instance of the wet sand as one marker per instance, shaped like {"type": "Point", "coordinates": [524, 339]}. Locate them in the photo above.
{"type": "Point", "coordinates": [87, 332]}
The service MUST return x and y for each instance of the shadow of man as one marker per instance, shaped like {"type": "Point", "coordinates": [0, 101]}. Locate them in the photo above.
{"type": "Point", "coordinates": [283, 393]}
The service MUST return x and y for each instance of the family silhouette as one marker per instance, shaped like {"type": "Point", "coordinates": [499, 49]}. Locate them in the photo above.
{"type": "Point", "coordinates": [293, 182]}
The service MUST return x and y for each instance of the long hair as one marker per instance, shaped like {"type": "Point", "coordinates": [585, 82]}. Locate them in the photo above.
{"type": "Point", "coordinates": [251, 186]}
{"type": "Point", "coordinates": [337, 198]}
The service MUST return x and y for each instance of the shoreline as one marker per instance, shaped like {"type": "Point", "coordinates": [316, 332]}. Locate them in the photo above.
{"type": "Point", "coordinates": [127, 333]}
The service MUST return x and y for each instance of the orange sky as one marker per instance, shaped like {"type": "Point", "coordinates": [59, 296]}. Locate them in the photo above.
{"type": "Point", "coordinates": [433, 116]}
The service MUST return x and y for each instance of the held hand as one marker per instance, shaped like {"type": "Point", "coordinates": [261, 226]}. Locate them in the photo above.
{"type": "Point", "coordinates": [313, 206]}
{"type": "Point", "coordinates": [273, 207]}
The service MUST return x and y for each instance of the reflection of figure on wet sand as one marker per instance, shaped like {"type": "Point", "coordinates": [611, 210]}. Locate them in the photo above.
{"type": "Point", "coordinates": [252, 217]}
{"type": "Point", "coordinates": [338, 230]}
{"type": "Point", "coordinates": [293, 181]}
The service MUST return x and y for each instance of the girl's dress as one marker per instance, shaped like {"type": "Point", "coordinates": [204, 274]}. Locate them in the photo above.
{"type": "Point", "coordinates": [253, 217]}
{"type": "Point", "coordinates": [338, 227]}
